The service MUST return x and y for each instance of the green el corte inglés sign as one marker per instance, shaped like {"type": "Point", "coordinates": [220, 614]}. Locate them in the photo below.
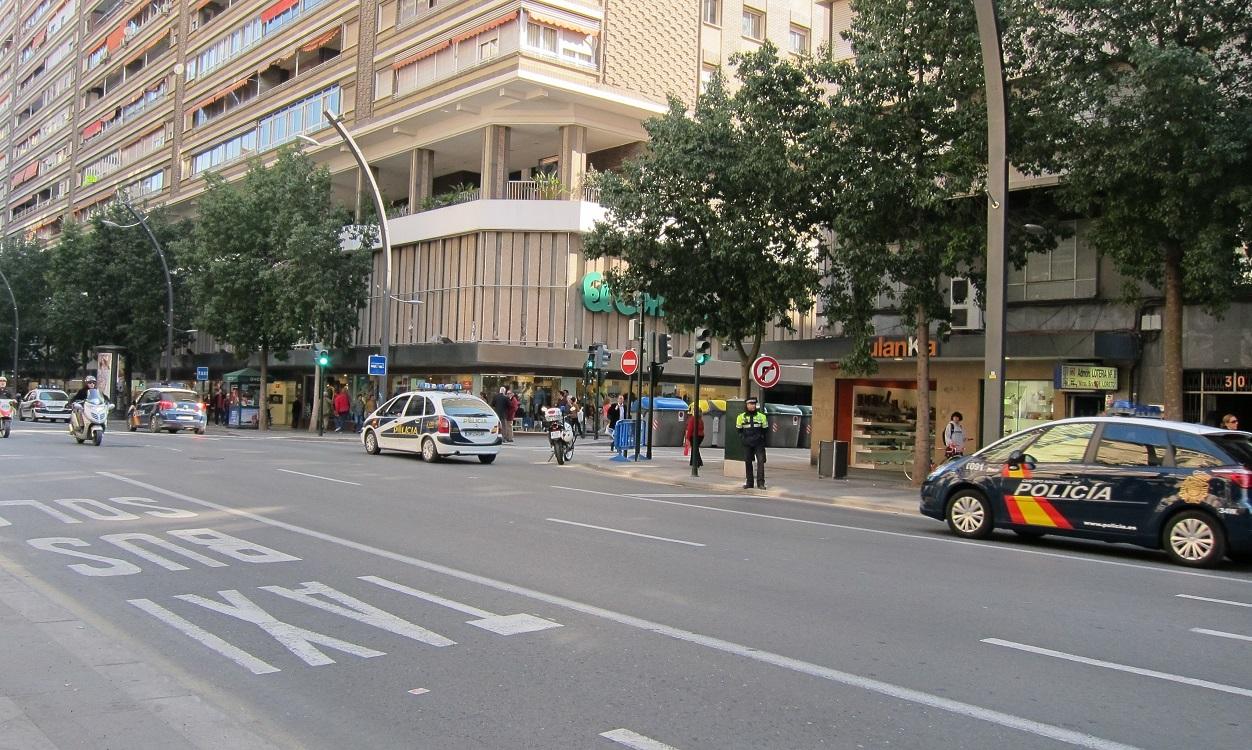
{"type": "Point", "coordinates": [598, 298]}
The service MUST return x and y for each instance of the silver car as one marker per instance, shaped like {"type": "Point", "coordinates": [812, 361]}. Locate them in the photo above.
{"type": "Point", "coordinates": [44, 403]}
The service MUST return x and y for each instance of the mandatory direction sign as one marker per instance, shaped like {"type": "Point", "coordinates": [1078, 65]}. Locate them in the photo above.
{"type": "Point", "coordinates": [377, 364]}
{"type": "Point", "coordinates": [630, 362]}
{"type": "Point", "coordinates": [766, 371]}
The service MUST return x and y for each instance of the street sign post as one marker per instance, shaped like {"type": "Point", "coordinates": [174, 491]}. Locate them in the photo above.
{"type": "Point", "coordinates": [766, 371]}
{"type": "Point", "coordinates": [377, 365]}
{"type": "Point", "coordinates": [202, 374]}
{"type": "Point", "coordinates": [630, 362]}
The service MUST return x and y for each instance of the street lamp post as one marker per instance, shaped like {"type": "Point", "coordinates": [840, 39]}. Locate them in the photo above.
{"type": "Point", "coordinates": [997, 211]}
{"type": "Point", "coordinates": [16, 336]}
{"type": "Point", "coordinates": [169, 286]}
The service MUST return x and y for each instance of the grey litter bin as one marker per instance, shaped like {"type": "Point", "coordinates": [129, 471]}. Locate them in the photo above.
{"type": "Point", "coordinates": [784, 425]}
{"type": "Point", "coordinates": [713, 415]}
{"type": "Point", "coordinates": [669, 421]}
{"type": "Point", "coordinates": [806, 427]}
{"type": "Point", "coordinates": [825, 459]}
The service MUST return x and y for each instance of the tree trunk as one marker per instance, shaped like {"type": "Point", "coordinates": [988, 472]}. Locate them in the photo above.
{"type": "Point", "coordinates": [1171, 333]}
{"type": "Point", "coordinates": [263, 398]}
{"type": "Point", "coordinates": [922, 443]}
{"type": "Point", "coordinates": [746, 359]}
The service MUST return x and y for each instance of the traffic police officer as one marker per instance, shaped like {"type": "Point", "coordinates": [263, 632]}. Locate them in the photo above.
{"type": "Point", "coordinates": [753, 428]}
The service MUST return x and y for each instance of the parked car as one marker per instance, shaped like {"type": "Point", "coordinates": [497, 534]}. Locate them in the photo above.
{"type": "Point", "coordinates": [165, 408]}
{"type": "Point", "coordinates": [434, 423]}
{"type": "Point", "coordinates": [44, 403]}
{"type": "Point", "coordinates": [1180, 487]}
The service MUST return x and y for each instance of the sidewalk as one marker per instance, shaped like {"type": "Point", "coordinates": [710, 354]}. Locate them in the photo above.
{"type": "Point", "coordinates": [789, 475]}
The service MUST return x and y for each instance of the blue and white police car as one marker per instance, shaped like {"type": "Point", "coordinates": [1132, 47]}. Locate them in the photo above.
{"type": "Point", "coordinates": [436, 421]}
{"type": "Point", "coordinates": [1181, 487]}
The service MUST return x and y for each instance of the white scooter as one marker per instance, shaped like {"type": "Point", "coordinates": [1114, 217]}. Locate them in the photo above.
{"type": "Point", "coordinates": [560, 435]}
{"type": "Point", "coordinates": [6, 415]}
{"type": "Point", "coordinates": [88, 419]}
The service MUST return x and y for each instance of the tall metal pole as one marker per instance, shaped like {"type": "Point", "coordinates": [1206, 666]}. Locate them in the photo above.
{"type": "Point", "coordinates": [695, 428]}
{"type": "Point", "coordinates": [384, 236]}
{"type": "Point", "coordinates": [169, 290]}
{"type": "Point", "coordinates": [16, 336]}
{"type": "Point", "coordinates": [997, 213]}
{"type": "Point", "coordinates": [639, 369]}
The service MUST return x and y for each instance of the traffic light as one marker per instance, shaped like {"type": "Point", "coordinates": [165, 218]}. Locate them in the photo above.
{"type": "Point", "coordinates": [704, 345]}
{"type": "Point", "coordinates": [664, 348]}
{"type": "Point", "coordinates": [603, 357]}
{"type": "Point", "coordinates": [322, 358]}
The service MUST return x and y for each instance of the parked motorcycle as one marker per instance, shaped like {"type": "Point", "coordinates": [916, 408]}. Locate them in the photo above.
{"type": "Point", "coordinates": [88, 418]}
{"type": "Point", "coordinates": [7, 407]}
{"type": "Point", "coordinates": [560, 434]}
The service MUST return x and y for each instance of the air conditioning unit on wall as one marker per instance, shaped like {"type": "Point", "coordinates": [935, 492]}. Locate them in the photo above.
{"type": "Point", "coordinates": [963, 302]}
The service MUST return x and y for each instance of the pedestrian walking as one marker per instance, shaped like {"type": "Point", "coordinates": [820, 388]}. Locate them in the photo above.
{"type": "Point", "coordinates": [326, 413]}
{"type": "Point", "coordinates": [694, 437]}
{"type": "Point", "coordinates": [500, 405]}
{"type": "Point", "coordinates": [297, 411]}
{"type": "Point", "coordinates": [615, 413]}
{"type": "Point", "coordinates": [954, 437]}
{"type": "Point", "coordinates": [221, 406]}
{"type": "Point", "coordinates": [358, 412]}
{"type": "Point", "coordinates": [753, 427]}
{"type": "Point", "coordinates": [343, 408]}
{"type": "Point", "coordinates": [511, 411]}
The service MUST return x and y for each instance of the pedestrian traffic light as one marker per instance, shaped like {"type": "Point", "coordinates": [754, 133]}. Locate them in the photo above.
{"type": "Point", "coordinates": [664, 348]}
{"type": "Point", "coordinates": [322, 358]}
{"type": "Point", "coordinates": [703, 349]}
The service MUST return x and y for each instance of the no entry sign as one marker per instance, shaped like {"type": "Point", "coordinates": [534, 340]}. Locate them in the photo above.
{"type": "Point", "coordinates": [766, 372]}
{"type": "Point", "coordinates": [630, 362]}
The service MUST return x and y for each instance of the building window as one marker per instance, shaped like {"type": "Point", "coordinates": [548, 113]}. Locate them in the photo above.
{"type": "Point", "coordinates": [1068, 271]}
{"type": "Point", "coordinates": [706, 75]}
{"type": "Point", "coordinates": [753, 24]}
{"type": "Point", "coordinates": [799, 40]}
{"type": "Point", "coordinates": [541, 37]}
{"type": "Point", "coordinates": [488, 49]}
{"type": "Point", "coordinates": [713, 12]}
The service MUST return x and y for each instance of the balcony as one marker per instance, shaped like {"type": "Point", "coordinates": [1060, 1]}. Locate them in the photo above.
{"type": "Point", "coordinates": [495, 216]}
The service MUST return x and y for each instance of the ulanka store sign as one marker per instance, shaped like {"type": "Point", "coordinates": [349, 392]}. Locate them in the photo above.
{"type": "Point", "coordinates": [599, 298]}
{"type": "Point", "coordinates": [892, 348]}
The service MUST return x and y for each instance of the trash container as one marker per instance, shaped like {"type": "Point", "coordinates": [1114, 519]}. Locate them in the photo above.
{"type": "Point", "coordinates": [713, 414]}
{"type": "Point", "coordinates": [841, 460]}
{"type": "Point", "coordinates": [784, 425]}
{"type": "Point", "coordinates": [806, 427]}
{"type": "Point", "coordinates": [669, 421]}
{"type": "Point", "coordinates": [825, 458]}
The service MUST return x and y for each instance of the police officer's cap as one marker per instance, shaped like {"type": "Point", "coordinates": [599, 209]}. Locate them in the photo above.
{"type": "Point", "coordinates": [750, 401]}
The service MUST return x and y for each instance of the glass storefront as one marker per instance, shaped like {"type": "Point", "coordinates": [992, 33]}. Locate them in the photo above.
{"type": "Point", "coordinates": [884, 427]}
{"type": "Point", "coordinates": [1027, 403]}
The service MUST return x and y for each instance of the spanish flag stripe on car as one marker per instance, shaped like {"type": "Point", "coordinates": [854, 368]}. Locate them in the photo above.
{"type": "Point", "coordinates": [1035, 511]}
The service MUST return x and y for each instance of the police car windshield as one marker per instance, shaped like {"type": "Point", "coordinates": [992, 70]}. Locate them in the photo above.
{"type": "Point", "coordinates": [53, 396]}
{"type": "Point", "coordinates": [1238, 446]}
{"type": "Point", "coordinates": [466, 407]}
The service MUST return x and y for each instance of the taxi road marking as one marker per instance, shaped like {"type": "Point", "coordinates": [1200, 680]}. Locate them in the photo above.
{"type": "Point", "coordinates": [627, 533]}
{"type": "Point", "coordinates": [1244, 692]}
{"type": "Point", "coordinates": [1215, 601]}
{"type": "Point", "coordinates": [1222, 634]}
{"type": "Point", "coordinates": [634, 740]}
{"type": "Point", "coordinates": [498, 624]}
{"type": "Point", "coordinates": [324, 479]}
{"type": "Point", "coordinates": [898, 692]}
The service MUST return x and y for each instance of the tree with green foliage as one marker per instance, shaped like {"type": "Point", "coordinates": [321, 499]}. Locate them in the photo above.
{"type": "Point", "coordinates": [1146, 110]}
{"type": "Point", "coordinates": [706, 216]}
{"type": "Point", "coordinates": [106, 286]}
{"type": "Point", "coordinates": [24, 263]}
{"type": "Point", "coordinates": [268, 264]}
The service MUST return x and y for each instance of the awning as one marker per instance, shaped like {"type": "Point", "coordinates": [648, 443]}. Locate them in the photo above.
{"type": "Point", "coordinates": [39, 39]}
{"type": "Point", "coordinates": [420, 55]}
{"type": "Point", "coordinates": [200, 4]}
{"type": "Point", "coordinates": [277, 9]}
{"type": "Point", "coordinates": [485, 27]}
{"type": "Point", "coordinates": [563, 23]}
{"type": "Point", "coordinates": [152, 43]}
{"type": "Point", "coordinates": [92, 129]}
{"type": "Point", "coordinates": [115, 37]}
{"type": "Point", "coordinates": [221, 94]}
{"type": "Point", "coordinates": [28, 172]}
{"type": "Point", "coordinates": [317, 42]}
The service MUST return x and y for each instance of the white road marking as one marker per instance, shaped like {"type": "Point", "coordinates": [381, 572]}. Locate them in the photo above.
{"type": "Point", "coordinates": [498, 624]}
{"type": "Point", "coordinates": [906, 535]}
{"type": "Point", "coordinates": [968, 710]}
{"type": "Point", "coordinates": [635, 741]}
{"type": "Point", "coordinates": [1233, 690]}
{"type": "Point", "coordinates": [646, 496]}
{"type": "Point", "coordinates": [627, 533]}
{"type": "Point", "coordinates": [315, 476]}
{"type": "Point", "coordinates": [1222, 634]}
{"type": "Point", "coordinates": [1215, 601]}
{"type": "Point", "coordinates": [205, 638]}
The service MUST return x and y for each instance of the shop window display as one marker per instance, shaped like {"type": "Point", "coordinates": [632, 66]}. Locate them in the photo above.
{"type": "Point", "coordinates": [1027, 403]}
{"type": "Point", "coordinates": [884, 427]}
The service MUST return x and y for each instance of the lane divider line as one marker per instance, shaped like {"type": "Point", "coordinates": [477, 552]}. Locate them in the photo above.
{"type": "Point", "coordinates": [324, 479]}
{"type": "Point", "coordinates": [1192, 681]}
{"type": "Point", "coordinates": [1214, 601]}
{"type": "Point", "coordinates": [869, 684]}
{"type": "Point", "coordinates": [634, 740]}
{"type": "Point", "coordinates": [627, 533]}
{"type": "Point", "coordinates": [1222, 634]}
{"type": "Point", "coordinates": [905, 535]}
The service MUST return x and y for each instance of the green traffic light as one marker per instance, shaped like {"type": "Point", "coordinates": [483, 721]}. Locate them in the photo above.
{"type": "Point", "coordinates": [702, 359]}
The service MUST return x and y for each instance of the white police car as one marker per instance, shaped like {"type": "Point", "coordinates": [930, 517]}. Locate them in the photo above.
{"type": "Point", "coordinates": [436, 422]}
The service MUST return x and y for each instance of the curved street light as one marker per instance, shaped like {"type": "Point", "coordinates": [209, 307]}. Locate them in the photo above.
{"type": "Point", "coordinates": [169, 286]}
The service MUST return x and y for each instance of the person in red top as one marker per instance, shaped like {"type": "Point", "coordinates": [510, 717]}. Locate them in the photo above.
{"type": "Point", "coordinates": [694, 436]}
{"type": "Point", "coordinates": [343, 407]}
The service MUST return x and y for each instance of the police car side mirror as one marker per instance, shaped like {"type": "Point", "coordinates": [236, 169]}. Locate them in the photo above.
{"type": "Point", "coordinates": [1018, 458]}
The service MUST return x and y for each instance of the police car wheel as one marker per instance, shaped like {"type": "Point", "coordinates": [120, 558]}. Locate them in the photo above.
{"type": "Point", "coordinates": [1193, 538]}
{"type": "Point", "coordinates": [969, 515]}
{"type": "Point", "coordinates": [430, 454]}
{"type": "Point", "coordinates": [371, 443]}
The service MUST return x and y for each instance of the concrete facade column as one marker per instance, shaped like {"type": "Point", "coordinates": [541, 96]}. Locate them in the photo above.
{"type": "Point", "coordinates": [495, 170]}
{"type": "Point", "coordinates": [421, 177]}
{"type": "Point", "coordinates": [573, 160]}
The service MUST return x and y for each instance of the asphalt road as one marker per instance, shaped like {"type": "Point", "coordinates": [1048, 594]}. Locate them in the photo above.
{"type": "Point", "coordinates": [318, 597]}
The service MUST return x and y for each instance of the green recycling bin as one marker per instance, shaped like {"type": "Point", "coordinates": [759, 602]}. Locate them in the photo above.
{"type": "Point", "coordinates": [784, 425]}
{"type": "Point", "coordinates": [806, 427]}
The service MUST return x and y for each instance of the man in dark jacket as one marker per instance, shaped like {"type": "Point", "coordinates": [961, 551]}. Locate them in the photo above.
{"type": "Point", "coordinates": [753, 428]}
{"type": "Point", "coordinates": [500, 405]}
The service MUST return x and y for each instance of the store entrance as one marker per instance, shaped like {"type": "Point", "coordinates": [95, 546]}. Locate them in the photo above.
{"type": "Point", "coordinates": [1086, 404]}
